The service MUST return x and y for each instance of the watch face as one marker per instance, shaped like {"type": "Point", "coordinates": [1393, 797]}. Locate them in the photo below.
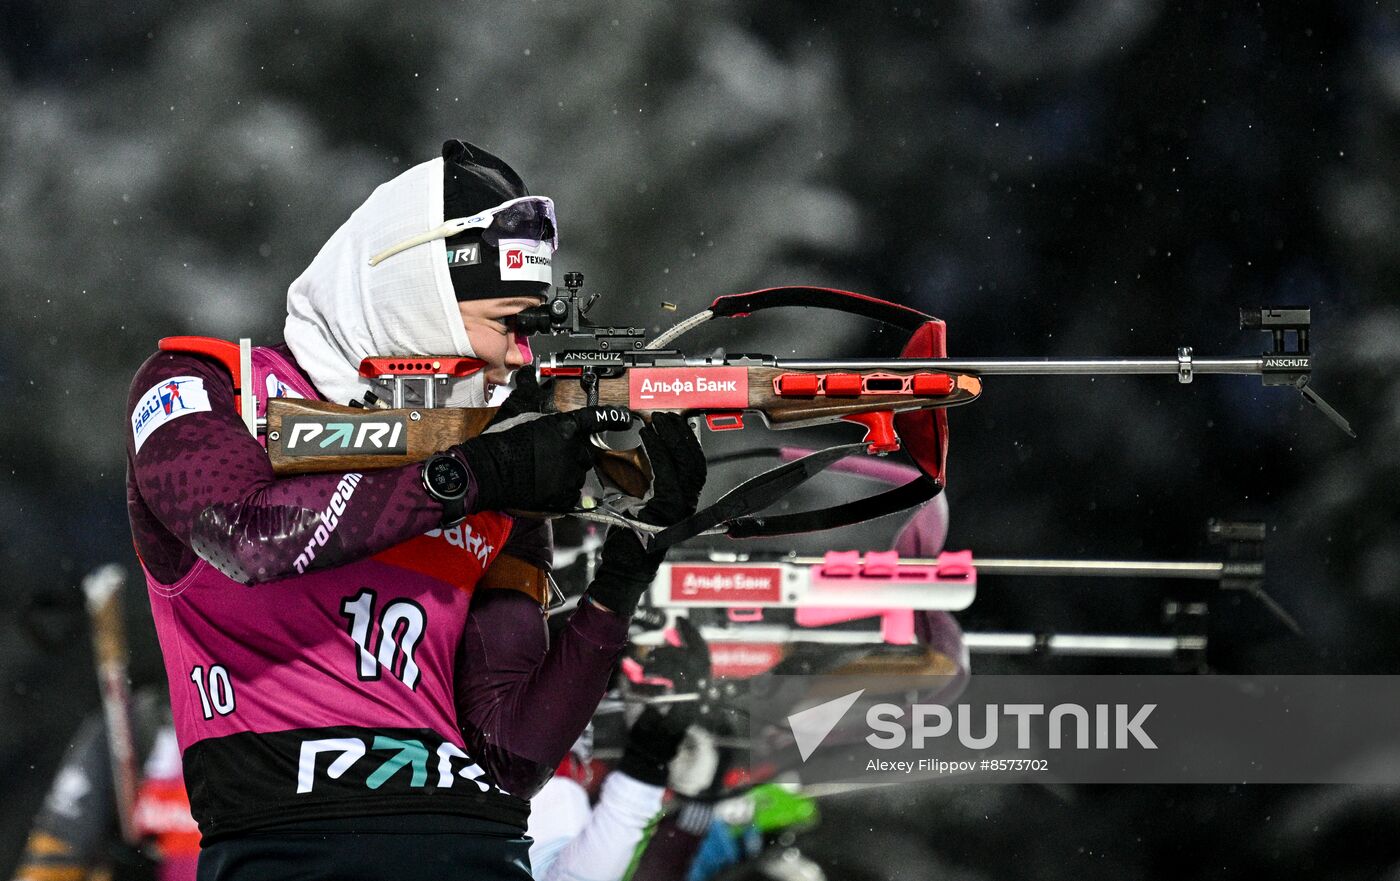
{"type": "Point", "coordinates": [447, 477]}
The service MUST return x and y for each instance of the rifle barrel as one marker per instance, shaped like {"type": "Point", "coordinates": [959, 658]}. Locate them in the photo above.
{"type": "Point", "coordinates": [1082, 645]}
{"type": "Point", "coordinates": [1204, 571]}
{"type": "Point", "coordinates": [1034, 366]}
{"type": "Point", "coordinates": [977, 642]}
{"type": "Point", "coordinates": [1108, 568]}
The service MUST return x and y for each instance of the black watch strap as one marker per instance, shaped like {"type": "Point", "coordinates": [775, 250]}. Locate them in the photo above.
{"type": "Point", "coordinates": [447, 479]}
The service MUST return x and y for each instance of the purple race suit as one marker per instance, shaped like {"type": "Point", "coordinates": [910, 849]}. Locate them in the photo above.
{"type": "Point", "coordinates": [327, 652]}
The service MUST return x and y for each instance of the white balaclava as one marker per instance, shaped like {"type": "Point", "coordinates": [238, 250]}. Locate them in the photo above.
{"type": "Point", "coordinates": [341, 310]}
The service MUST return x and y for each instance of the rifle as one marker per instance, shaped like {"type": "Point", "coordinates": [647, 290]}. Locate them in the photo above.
{"type": "Point", "coordinates": [900, 402]}
{"type": "Point", "coordinates": [779, 599]}
{"type": "Point", "coordinates": [755, 615]}
{"type": "Point", "coordinates": [754, 611]}
{"type": "Point", "coordinates": [754, 607]}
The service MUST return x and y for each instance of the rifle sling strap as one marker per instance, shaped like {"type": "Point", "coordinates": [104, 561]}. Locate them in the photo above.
{"type": "Point", "coordinates": [893, 314]}
{"type": "Point", "coordinates": [735, 511]}
{"type": "Point", "coordinates": [892, 501]}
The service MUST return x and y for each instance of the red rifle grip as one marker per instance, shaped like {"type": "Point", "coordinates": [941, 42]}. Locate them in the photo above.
{"type": "Point", "coordinates": [879, 430]}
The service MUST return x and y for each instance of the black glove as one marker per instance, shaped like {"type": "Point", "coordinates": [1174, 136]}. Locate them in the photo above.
{"type": "Point", "coordinates": [526, 397]}
{"type": "Point", "coordinates": [677, 466]}
{"type": "Point", "coordinates": [625, 569]}
{"type": "Point", "coordinates": [652, 743]}
{"type": "Point", "coordinates": [687, 665]}
{"type": "Point", "coordinates": [538, 465]}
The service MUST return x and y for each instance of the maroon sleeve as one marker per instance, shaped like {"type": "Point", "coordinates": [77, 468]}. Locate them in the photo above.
{"type": "Point", "coordinates": [206, 482]}
{"type": "Point", "coordinates": [521, 702]}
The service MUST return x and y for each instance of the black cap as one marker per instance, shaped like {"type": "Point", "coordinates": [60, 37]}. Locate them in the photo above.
{"type": "Point", "coordinates": [474, 180]}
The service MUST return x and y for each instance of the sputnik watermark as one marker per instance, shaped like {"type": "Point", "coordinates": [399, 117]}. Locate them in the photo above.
{"type": "Point", "coordinates": [1077, 729]}
{"type": "Point", "coordinates": [928, 722]}
{"type": "Point", "coordinates": [811, 726]}
{"type": "Point", "coordinates": [1103, 726]}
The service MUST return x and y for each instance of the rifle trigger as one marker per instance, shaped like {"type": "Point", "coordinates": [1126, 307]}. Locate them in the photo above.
{"type": "Point", "coordinates": [589, 380]}
{"type": "Point", "coordinates": [879, 430]}
{"type": "Point", "coordinates": [725, 420]}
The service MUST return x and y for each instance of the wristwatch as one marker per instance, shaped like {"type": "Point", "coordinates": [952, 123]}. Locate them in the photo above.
{"type": "Point", "coordinates": [446, 479]}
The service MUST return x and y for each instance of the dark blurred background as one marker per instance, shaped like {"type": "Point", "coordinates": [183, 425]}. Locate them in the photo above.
{"type": "Point", "coordinates": [1113, 177]}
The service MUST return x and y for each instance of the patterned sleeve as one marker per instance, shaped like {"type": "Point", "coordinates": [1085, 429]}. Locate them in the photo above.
{"type": "Point", "coordinates": [208, 483]}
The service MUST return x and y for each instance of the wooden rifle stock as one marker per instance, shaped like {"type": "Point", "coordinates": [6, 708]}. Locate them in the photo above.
{"type": "Point", "coordinates": [313, 437]}
{"type": "Point", "coordinates": [309, 437]}
{"type": "Point", "coordinates": [785, 411]}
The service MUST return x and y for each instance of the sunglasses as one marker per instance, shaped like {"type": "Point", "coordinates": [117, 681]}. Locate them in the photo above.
{"type": "Point", "coordinates": [529, 218]}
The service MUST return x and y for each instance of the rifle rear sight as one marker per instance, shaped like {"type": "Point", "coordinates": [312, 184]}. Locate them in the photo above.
{"type": "Point", "coordinates": [567, 314]}
{"type": "Point", "coordinates": [1283, 365]}
{"type": "Point", "coordinates": [1278, 322]}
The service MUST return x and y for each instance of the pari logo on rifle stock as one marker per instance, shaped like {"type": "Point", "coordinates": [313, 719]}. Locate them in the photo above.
{"type": "Point", "coordinates": [688, 388]}
{"type": "Point", "coordinates": [340, 435]}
